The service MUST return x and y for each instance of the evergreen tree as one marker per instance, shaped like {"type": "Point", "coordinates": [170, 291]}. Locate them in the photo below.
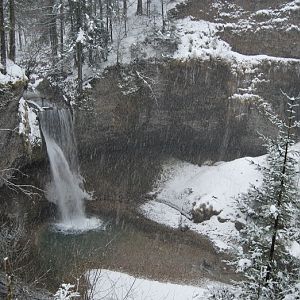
{"type": "Point", "coordinates": [270, 210]}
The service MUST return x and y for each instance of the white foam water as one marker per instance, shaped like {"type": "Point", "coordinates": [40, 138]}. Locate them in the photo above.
{"type": "Point", "coordinates": [66, 187]}
{"type": "Point", "coordinates": [78, 226]}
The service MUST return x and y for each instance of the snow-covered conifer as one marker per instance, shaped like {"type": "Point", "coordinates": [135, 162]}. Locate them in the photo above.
{"type": "Point", "coordinates": [271, 272]}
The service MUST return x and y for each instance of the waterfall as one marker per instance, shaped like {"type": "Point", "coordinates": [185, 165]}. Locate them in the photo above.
{"type": "Point", "coordinates": [66, 186]}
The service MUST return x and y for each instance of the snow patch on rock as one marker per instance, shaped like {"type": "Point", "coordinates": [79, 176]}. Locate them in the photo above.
{"type": "Point", "coordinates": [29, 124]}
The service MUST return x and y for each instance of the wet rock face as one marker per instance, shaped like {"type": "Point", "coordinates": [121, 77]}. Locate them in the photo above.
{"type": "Point", "coordinates": [17, 161]}
{"type": "Point", "coordinates": [195, 108]}
{"type": "Point", "coordinates": [11, 146]}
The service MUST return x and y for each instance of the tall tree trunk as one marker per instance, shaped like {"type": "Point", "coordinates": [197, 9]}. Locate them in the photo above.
{"type": "Point", "coordinates": [163, 15]}
{"type": "Point", "coordinates": [62, 25]}
{"type": "Point", "coordinates": [79, 67]}
{"type": "Point", "coordinates": [148, 7]}
{"type": "Point", "coordinates": [79, 45]}
{"type": "Point", "coordinates": [139, 10]}
{"type": "Point", "coordinates": [20, 37]}
{"type": "Point", "coordinates": [109, 27]}
{"type": "Point", "coordinates": [72, 13]}
{"type": "Point", "coordinates": [53, 29]}
{"type": "Point", "coordinates": [107, 16]}
{"type": "Point", "coordinates": [90, 11]}
{"type": "Point", "coordinates": [2, 36]}
{"type": "Point", "coordinates": [125, 16]}
{"type": "Point", "coordinates": [95, 8]}
{"type": "Point", "coordinates": [12, 31]}
{"type": "Point", "coordinates": [101, 13]}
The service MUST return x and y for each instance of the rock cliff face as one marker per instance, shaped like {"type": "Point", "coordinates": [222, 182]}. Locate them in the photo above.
{"type": "Point", "coordinates": [20, 162]}
{"type": "Point", "coordinates": [207, 105]}
{"type": "Point", "coordinates": [11, 146]}
{"type": "Point", "coordinates": [197, 107]}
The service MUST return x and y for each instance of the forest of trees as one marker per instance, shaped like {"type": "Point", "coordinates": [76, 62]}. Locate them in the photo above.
{"type": "Point", "coordinates": [68, 33]}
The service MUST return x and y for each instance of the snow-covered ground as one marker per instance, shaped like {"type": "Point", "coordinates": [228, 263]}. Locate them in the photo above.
{"type": "Point", "coordinates": [211, 190]}
{"type": "Point", "coordinates": [184, 186]}
{"type": "Point", "coordinates": [13, 73]}
{"type": "Point", "coordinates": [199, 39]}
{"type": "Point", "coordinates": [139, 29]}
{"type": "Point", "coordinates": [113, 285]}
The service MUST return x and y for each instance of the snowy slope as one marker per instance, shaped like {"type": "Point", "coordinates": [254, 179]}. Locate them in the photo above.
{"type": "Point", "coordinates": [140, 30]}
{"type": "Point", "coordinates": [199, 39]}
{"type": "Point", "coordinates": [183, 187]}
{"type": "Point", "coordinates": [13, 73]}
{"type": "Point", "coordinates": [188, 186]}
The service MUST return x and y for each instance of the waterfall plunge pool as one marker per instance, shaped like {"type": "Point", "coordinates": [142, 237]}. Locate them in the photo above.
{"type": "Point", "coordinates": [158, 255]}
{"type": "Point", "coordinates": [79, 225]}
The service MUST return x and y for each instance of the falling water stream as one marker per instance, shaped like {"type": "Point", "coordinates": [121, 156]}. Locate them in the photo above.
{"type": "Point", "coordinates": [66, 187]}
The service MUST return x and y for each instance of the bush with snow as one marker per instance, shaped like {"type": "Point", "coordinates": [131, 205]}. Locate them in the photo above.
{"type": "Point", "coordinates": [66, 292]}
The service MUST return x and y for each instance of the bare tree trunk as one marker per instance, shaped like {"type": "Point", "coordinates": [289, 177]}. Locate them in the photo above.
{"type": "Point", "coordinates": [109, 19]}
{"type": "Point", "coordinates": [125, 15]}
{"type": "Point", "coordinates": [107, 15]}
{"type": "Point", "coordinates": [163, 15]}
{"type": "Point", "coordinates": [53, 29]}
{"type": "Point", "coordinates": [101, 13]}
{"type": "Point", "coordinates": [148, 7]}
{"type": "Point", "coordinates": [79, 66]}
{"type": "Point", "coordinates": [90, 11]}
{"type": "Point", "coordinates": [62, 25]}
{"type": "Point", "coordinates": [72, 9]}
{"type": "Point", "coordinates": [79, 46]}
{"type": "Point", "coordinates": [2, 36]}
{"type": "Point", "coordinates": [111, 29]}
{"type": "Point", "coordinates": [139, 10]}
{"type": "Point", "coordinates": [12, 31]}
{"type": "Point", "coordinates": [20, 37]}
{"type": "Point", "coordinates": [25, 36]}
{"type": "Point", "coordinates": [95, 8]}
